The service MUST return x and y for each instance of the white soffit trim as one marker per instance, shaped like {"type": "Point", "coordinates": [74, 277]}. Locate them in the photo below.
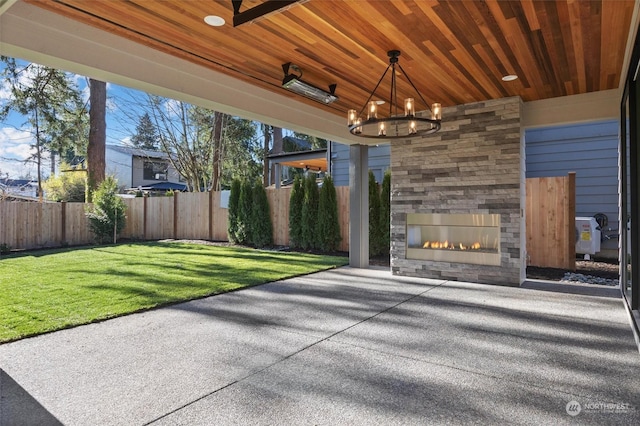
{"type": "Point", "coordinates": [36, 35]}
{"type": "Point", "coordinates": [592, 106]}
{"type": "Point", "coordinates": [5, 5]}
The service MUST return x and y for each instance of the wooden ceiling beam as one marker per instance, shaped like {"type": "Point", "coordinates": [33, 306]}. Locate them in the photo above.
{"type": "Point", "coordinates": [259, 11]}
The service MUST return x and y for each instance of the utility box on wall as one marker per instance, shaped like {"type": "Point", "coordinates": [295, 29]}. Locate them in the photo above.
{"type": "Point", "coordinates": [587, 235]}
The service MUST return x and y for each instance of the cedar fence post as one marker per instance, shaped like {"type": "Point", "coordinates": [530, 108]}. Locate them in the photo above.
{"type": "Point", "coordinates": [144, 217]}
{"type": "Point", "coordinates": [63, 223]}
{"type": "Point", "coordinates": [571, 228]}
{"type": "Point", "coordinates": [175, 215]}
{"type": "Point", "coordinates": [211, 195]}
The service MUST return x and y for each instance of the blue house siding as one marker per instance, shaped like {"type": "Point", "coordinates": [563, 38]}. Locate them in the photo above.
{"type": "Point", "coordinates": [590, 150]}
{"type": "Point", "coordinates": [379, 159]}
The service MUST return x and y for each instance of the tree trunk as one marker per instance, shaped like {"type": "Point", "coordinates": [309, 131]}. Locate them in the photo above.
{"type": "Point", "coordinates": [38, 158]}
{"type": "Point", "coordinates": [52, 169]}
{"type": "Point", "coordinates": [97, 136]}
{"type": "Point", "coordinates": [277, 149]}
{"type": "Point", "coordinates": [217, 150]}
{"type": "Point", "coordinates": [267, 140]}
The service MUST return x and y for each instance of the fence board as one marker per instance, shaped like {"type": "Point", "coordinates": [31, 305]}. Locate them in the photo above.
{"type": "Point", "coordinates": [159, 218]}
{"type": "Point", "coordinates": [192, 215]}
{"type": "Point", "coordinates": [550, 211]}
{"type": "Point", "coordinates": [77, 230]}
{"type": "Point", "coordinates": [219, 218]}
{"type": "Point", "coordinates": [134, 227]}
{"type": "Point", "coordinates": [25, 225]}
{"type": "Point", "coordinates": [31, 225]}
{"type": "Point", "coordinates": [279, 208]}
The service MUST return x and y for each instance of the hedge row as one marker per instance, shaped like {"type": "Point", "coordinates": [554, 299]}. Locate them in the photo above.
{"type": "Point", "coordinates": [313, 215]}
{"type": "Point", "coordinates": [249, 220]}
{"type": "Point", "coordinates": [379, 215]}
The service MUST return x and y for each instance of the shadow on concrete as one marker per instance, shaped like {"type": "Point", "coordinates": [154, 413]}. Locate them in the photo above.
{"type": "Point", "coordinates": [18, 407]}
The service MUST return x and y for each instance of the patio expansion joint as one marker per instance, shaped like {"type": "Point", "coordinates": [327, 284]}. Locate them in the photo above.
{"type": "Point", "coordinates": [291, 355]}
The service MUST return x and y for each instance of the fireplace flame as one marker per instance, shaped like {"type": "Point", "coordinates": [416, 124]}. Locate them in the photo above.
{"type": "Point", "coordinates": [451, 246]}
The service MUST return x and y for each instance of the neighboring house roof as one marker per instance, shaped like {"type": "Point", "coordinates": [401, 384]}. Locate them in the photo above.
{"type": "Point", "coordinates": [137, 152]}
{"type": "Point", "coordinates": [166, 186]}
{"type": "Point", "coordinates": [314, 160]}
{"type": "Point", "coordinates": [16, 183]}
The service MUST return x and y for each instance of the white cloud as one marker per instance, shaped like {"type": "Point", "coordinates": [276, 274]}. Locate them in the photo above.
{"type": "Point", "coordinates": [5, 93]}
{"type": "Point", "coordinates": [173, 108]}
{"type": "Point", "coordinates": [15, 148]}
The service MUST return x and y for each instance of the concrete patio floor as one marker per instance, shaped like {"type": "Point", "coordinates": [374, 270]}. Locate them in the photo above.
{"type": "Point", "coordinates": [346, 346]}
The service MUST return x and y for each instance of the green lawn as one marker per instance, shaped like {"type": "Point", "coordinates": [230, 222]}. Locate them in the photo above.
{"type": "Point", "coordinates": [53, 289]}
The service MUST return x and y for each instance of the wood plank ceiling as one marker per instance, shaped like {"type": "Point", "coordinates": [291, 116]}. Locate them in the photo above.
{"type": "Point", "coordinates": [455, 52]}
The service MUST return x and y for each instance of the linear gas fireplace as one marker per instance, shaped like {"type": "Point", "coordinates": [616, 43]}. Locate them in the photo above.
{"type": "Point", "coordinates": [458, 238]}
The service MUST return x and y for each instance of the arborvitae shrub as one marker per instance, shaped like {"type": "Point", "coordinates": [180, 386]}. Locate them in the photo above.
{"type": "Point", "coordinates": [295, 213]}
{"type": "Point", "coordinates": [328, 225]}
{"type": "Point", "coordinates": [385, 213]}
{"type": "Point", "coordinates": [234, 204]}
{"type": "Point", "coordinates": [107, 215]}
{"type": "Point", "coordinates": [244, 230]}
{"type": "Point", "coordinates": [261, 227]}
{"type": "Point", "coordinates": [309, 213]}
{"type": "Point", "coordinates": [374, 216]}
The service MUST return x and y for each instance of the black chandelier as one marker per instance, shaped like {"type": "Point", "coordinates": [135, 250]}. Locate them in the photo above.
{"type": "Point", "coordinates": [395, 125]}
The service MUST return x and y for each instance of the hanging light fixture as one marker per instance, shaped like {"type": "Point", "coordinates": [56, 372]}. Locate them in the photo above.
{"type": "Point", "coordinates": [396, 125]}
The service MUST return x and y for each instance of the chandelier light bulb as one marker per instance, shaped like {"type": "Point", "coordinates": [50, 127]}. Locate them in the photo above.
{"type": "Point", "coordinates": [352, 117]}
{"type": "Point", "coordinates": [372, 111]}
{"type": "Point", "coordinates": [382, 129]}
{"type": "Point", "coordinates": [436, 111]}
{"type": "Point", "coordinates": [409, 107]}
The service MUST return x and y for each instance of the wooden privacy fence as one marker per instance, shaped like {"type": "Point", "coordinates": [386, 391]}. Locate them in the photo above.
{"type": "Point", "coordinates": [25, 225]}
{"type": "Point", "coordinates": [550, 212]}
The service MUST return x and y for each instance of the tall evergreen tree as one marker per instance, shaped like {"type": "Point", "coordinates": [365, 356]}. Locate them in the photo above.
{"type": "Point", "coordinates": [374, 216]}
{"type": "Point", "coordinates": [296, 200]}
{"type": "Point", "coordinates": [146, 136]}
{"type": "Point", "coordinates": [309, 213]}
{"type": "Point", "coordinates": [328, 225]}
{"type": "Point", "coordinates": [261, 226]}
{"type": "Point", "coordinates": [385, 213]}
{"type": "Point", "coordinates": [233, 211]}
{"type": "Point", "coordinates": [52, 104]}
{"type": "Point", "coordinates": [244, 233]}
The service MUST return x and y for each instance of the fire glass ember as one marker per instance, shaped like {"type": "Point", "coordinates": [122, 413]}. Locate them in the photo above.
{"type": "Point", "coordinates": [462, 238]}
{"type": "Point", "coordinates": [446, 245]}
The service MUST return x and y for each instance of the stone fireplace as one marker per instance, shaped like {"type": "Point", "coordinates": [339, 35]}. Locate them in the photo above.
{"type": "Point", "coordinates": [457, 200]}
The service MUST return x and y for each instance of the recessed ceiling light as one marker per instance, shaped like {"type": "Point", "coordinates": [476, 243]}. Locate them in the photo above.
{"type": "Point", "coordinates": [510, 77]}
{"type": "Point", "coordinates": [379, 102]}
{"type": "Point", "coordinates": [214, 21]}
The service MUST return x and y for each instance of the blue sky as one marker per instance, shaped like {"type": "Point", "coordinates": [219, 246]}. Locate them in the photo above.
{"type": "Point", "coordinates": [16, 138]}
